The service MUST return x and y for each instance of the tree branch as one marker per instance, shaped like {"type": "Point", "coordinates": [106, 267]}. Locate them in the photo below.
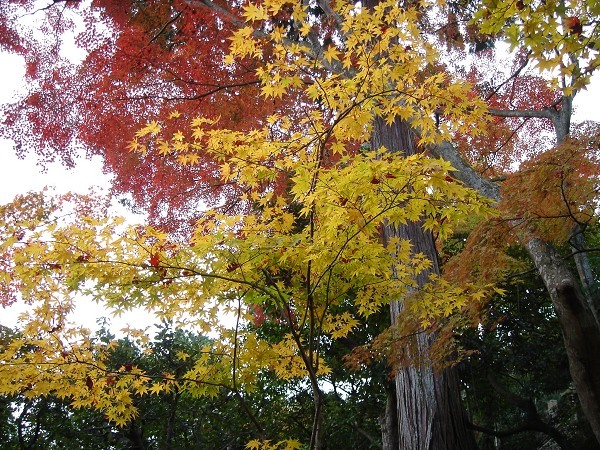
{"type": "Point", "coordinates": [511, 77]}
{"type": "Point", "coordinates": [533, 422]}
{"type": "Point", "coordinates": [169, 22]}
{"type": "Point", "coordinates": [545, 113]}
{"type": "Point", "coordinates": [464, 171]}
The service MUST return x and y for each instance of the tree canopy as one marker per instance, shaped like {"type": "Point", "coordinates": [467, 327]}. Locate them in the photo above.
{"type": "Point", "coordinates": [257, 135]}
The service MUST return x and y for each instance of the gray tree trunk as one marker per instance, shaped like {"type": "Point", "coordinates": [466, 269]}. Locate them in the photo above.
{"type": "Point", "coordinates": [581, 334]}
{"type": "Point", "coordinates": [579, 330]}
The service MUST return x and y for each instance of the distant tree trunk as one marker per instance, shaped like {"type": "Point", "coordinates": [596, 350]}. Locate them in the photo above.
{"type": "Point", "coordinates": [134, 435]}
{"type": "Point", "coordinates": [586, 275]}
{"type": "Point", "coordinates": [388, 421]}
{"type": "Point", "coordinates": [428, 407]}
{"type": "Point", "coordinates": [171, 420]}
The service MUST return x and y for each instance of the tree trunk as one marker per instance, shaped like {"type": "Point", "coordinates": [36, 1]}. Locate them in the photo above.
{"type": "Point", "coordinates": [428, 407]}
{"type": "Point", "coordinates": [580, 334]}
{"type": "Point", "coordinates": [586, 275]}
{"type": "Point", "coordinates": [171, 420]}
{"type": "Point", "coordinates": [388, 421]}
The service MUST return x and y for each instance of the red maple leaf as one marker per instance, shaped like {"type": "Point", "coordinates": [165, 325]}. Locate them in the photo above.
{"type": "Point", "coordinates": [154, 260]}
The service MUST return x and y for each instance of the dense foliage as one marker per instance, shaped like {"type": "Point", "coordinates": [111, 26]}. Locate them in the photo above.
{"type": "Point", "coordinates": [299, 161]}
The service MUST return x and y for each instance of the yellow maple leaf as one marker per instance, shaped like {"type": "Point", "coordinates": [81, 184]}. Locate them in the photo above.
{"type": "Point", "coordinates": [254, 12]}
{"type": "Point", "coordinates": [157, 388]}
{"type": "Point", "coordinates": [331, 53]}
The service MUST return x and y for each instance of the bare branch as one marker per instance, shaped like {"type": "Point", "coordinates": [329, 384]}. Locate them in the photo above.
{"type": "Point", "coordinates": [545, 113]}
{"type": "Point", "coordinates": [162, 30]}
{"type": "Point", "coordinates": [464, 171]}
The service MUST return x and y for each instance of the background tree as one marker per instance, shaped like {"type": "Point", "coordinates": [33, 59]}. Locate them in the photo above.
{"type": "Point", "coordinates": [520, 366]}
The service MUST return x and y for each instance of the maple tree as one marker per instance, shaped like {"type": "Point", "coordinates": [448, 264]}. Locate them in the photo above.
{"type": "Point", "coordinates": [335, 79]}
{"type": "Point", "coordinates": [142, 60]}
{"type": "Point", "coordinates": [253, 257]}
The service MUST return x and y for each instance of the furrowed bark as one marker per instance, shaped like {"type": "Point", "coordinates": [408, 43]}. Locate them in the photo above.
{"type": "Point", "coordinates": [429, 412]}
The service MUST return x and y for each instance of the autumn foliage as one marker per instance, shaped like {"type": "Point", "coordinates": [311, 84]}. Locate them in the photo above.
{"type": "Point", "coordinates": [244, 130]}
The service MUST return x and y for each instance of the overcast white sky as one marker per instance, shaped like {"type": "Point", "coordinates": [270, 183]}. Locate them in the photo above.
{"type": "Point", "coordinates": [24, 175]}
{"type": "Point", "coordinates": [19, 176]}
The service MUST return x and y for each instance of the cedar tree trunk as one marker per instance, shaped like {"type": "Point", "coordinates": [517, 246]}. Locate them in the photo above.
{"type": "Point", "coordinates": [428, 407]}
